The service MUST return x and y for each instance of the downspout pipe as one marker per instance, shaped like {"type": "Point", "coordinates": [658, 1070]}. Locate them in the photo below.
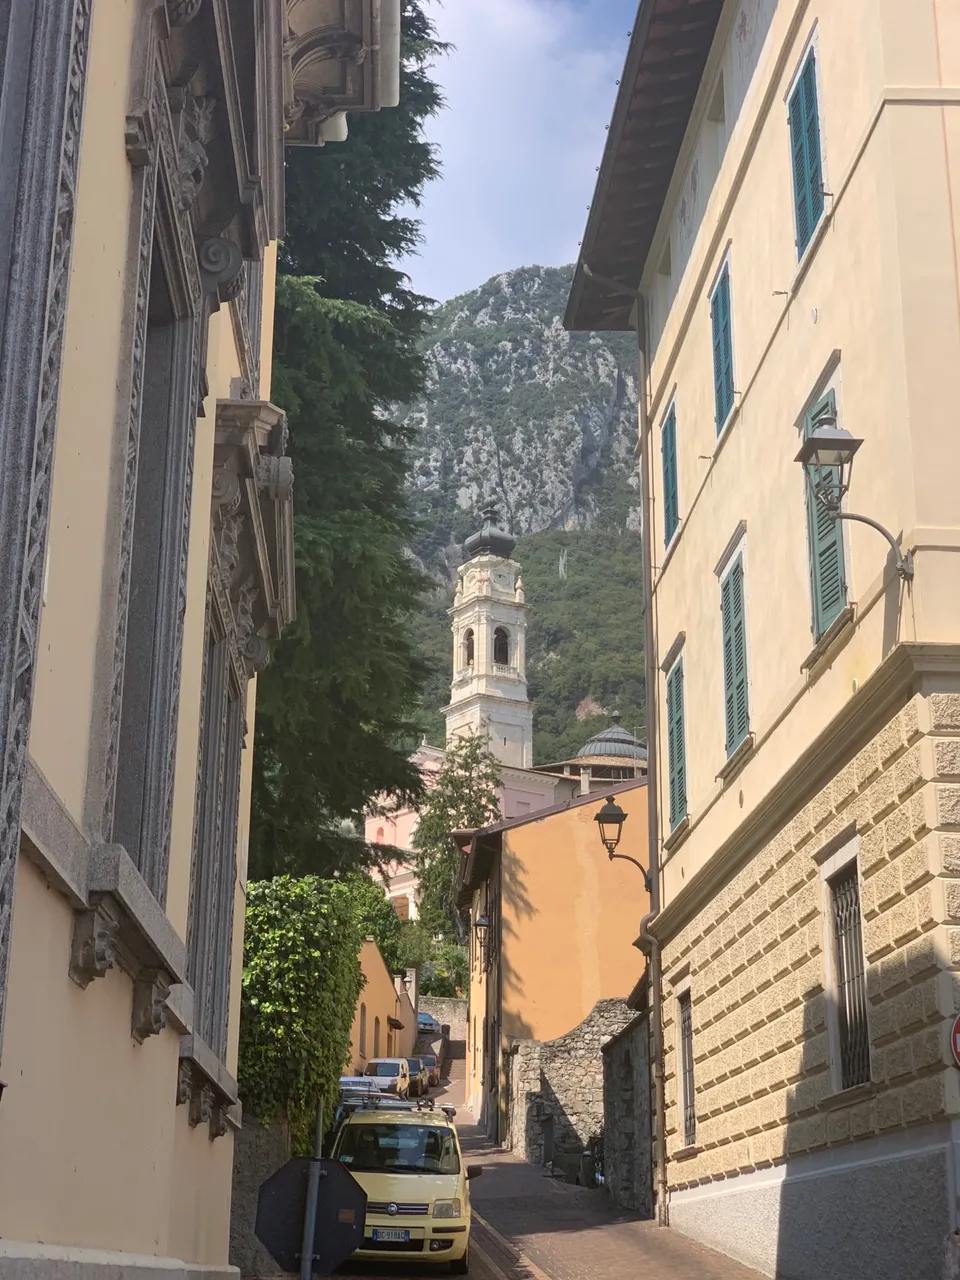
{"type": "Point", "coordinates": [646, 941]}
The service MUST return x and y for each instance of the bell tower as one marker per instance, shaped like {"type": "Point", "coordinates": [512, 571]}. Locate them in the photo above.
{"type": "Point", "coordinates": [489, 689]}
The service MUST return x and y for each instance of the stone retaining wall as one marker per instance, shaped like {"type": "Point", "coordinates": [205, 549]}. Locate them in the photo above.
{"type": "Point", "coordinates": [452, 1013]}
{"type": "Point", "coordinates": [259, 1150]}
{"type": "Point", "coordinates": [558, 1085]}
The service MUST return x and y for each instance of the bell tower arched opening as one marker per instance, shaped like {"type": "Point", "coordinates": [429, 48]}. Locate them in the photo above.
{"type": "Point", "coordinates": [468, 647]}
{"type": "Point", "coordinates": [501, 647]}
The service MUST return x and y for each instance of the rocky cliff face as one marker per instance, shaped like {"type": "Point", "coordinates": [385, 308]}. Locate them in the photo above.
{"type": "Point", "coordinates": [519, 411]}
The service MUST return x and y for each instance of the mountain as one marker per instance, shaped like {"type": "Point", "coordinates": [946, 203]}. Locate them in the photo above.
{"type": "Point", "coordinates": [543, 423]}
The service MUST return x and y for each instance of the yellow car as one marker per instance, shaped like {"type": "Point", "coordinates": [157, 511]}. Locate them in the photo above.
{"type": "Point", "coordinates": [408, 1161]}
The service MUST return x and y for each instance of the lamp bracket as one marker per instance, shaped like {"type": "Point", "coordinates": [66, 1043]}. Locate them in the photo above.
{"type": "Point", "coordinates": [903, 560]}
{"type": "Point", "coordinates": [624, 857]}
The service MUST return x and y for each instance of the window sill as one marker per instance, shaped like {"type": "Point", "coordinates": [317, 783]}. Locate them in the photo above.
{"type": "Point", "coordinates": [838, 627]}
{"type": "Point", "coordinates": [677, 835]}
{"type": "Point", "coordinates": [687, 1153]}
{"type": "Point", "coordinates": [205, 1085]}
{"type": "Point", "coordinates": [847, 1097]}
{"type": "Point", "coordinates": [739, 758]}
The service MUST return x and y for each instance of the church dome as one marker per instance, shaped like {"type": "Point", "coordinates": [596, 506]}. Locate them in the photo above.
{"type": "Point", "coordinates": [490, 540]}
{"type": "Point", "coordinates": [613, 742]}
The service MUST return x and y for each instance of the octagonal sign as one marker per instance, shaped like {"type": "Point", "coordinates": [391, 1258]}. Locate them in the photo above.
{"type": "Point", "coordinates": [341, 1215]}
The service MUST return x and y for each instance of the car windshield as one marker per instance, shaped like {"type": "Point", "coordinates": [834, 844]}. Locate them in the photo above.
{"type": "Point", "coordinates": [398, 1148]}
{"type": "Point", "coordinates": [383, 1069]}
{"type": "Point", "coordinates": [429, 1060]}
{"type": "Point", "coordinates": [414, 1064]}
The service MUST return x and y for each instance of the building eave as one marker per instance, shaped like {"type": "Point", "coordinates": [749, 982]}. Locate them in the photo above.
{"type": "Point", "coordinates": [668, 52]}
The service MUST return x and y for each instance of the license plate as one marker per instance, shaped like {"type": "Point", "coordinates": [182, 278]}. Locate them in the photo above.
{"type": "Point", "coordinates": [393, 1237]}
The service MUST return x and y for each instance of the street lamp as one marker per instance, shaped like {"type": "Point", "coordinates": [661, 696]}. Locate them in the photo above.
{"type": "Point", "coordinates": [481, 924]}
{"type": "Point", "coordinates": [826, 456]}
{"type": "Point", "coordinates": [610, 820]}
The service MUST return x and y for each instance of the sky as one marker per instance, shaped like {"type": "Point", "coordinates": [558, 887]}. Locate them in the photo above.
{"type": "Point", "coordinates": [530, 89]}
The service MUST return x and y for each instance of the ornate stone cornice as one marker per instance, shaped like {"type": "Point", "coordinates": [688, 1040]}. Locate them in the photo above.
{"type": "Point", "coordinates": [337, 58]}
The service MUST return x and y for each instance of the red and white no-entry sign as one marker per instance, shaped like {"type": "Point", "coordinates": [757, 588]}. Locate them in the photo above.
{"type": "Point", "coordinates": [955, 1039]}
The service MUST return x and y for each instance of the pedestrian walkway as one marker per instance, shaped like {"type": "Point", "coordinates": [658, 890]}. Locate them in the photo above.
{"type": "Point", "coordinates": [532, 1227]}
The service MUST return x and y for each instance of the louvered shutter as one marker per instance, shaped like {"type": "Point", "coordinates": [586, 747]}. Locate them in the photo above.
{"type": "Point", "coordinates": [676, 749]}
{"type": "Point", "coordinates": [722, 348]}
{"type": "Point", "coordinates": [726, 618]}
{"type": "Point", "coordinates": [811, 128]}
{"type": "Point", "coordinates": [804, 116]}
{"type": "Point", "coordinates": [825, 536]}
{"type": "Point", "coordinates": [741, 710]}
{"type": "Point", "coordinates": [668, 449]}
{"type": "Point", "coordinates": [801, 190]}
{"type": "Point", "coordinates": [734, 629]}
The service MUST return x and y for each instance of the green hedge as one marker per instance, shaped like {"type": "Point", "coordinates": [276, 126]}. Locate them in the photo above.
{"type": "Point", "coordinates": [301, 982]}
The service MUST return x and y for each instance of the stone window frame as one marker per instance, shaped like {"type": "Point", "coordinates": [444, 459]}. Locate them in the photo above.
{"type": "Point", "coordinates": [47, 55]}
{"type": "Point", "coordinates": [164, 129]}
{"type": "Point", "coordinates": [833, 859]}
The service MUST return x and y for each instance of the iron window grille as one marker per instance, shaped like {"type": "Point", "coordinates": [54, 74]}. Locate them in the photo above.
{"type": "Point", "coordinates": [853, 1031]}
{"type": "Point", "coordinates": [686, 1068]}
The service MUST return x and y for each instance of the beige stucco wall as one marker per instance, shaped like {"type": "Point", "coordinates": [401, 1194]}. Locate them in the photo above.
{"type": "Point", "coordinates": [94, 1151]}
{"type": "Point", "coordinates": [873, 311]}
{"type": "Point", "coordinates": [755, 966]}
{"type": "Point", "coordinates": [877, 291]}
{"type": "Point", "coordinates": [379, 1000]}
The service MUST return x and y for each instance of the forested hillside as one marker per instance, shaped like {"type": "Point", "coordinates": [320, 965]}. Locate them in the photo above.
{"type": "Point", "coordinates": [544, 423]}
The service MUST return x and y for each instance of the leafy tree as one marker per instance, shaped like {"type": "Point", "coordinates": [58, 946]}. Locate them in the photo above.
{"type": "Point", "coordinates": [447, 973]}
{"type": "Point", "coordinates": [335, 708]}
{"type": "Point", "coordinates": [465, 795]}
{"type": "Point", "coordinates": [377, 919]}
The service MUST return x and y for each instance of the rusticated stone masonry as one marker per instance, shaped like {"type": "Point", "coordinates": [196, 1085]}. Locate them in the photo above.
{"type": "Point", "coordinates": [757, 970]}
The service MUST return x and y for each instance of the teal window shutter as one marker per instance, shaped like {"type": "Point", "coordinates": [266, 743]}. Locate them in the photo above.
{"type": "Point", "coordinates": [676, 747]}
{"type": "Point", "coordinates": [828, 582]}
{"type": "Point", "coordinates": [722, 348]}
{"type": "Point", "coordinates": [734, 628]}
{"type": "Point", "coordinates": [804, 115]}
{"type": "Point", "coordinates": [668, 450]}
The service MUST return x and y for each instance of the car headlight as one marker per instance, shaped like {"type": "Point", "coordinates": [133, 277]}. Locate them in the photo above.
{"type": "Point", "coordinates": [447, 1209]}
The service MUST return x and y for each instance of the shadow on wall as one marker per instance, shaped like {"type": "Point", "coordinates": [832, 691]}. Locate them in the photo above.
{"type": "Point", "coordinates": [627, 1119]}
{"type": "Point", "coordinates": [860, 1195]}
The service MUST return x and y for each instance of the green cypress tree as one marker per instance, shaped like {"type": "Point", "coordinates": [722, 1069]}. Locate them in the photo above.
{"type": "Point", "coordinates": [337, 706]}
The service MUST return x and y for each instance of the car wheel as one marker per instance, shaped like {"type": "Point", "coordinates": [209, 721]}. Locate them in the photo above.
{"type": "Point", "coordinates": [462, 1265]}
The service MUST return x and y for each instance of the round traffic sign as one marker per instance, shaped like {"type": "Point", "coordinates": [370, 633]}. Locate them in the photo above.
{"type": "Point", "coordinates": [955, 1039]}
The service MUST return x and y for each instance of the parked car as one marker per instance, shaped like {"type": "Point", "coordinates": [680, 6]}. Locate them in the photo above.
{"type": "Point", "coordinates": [419, 1078]}
{"type": "Point", "coordinates": [392, 1075]}
{"type": "Point", "coordinates": [408, 1161]}
{"type": "Point", "coordinates": [427, 1025]}
{"type": "Point", "coordinates": [429, 1060]}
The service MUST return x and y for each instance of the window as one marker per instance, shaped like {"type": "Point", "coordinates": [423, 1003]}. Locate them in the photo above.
{"type": "Point", "coordinates": [376, 1037]}
{"type": "Point", "coordinates": [468, 647]}
{"type": "Point", "coordinates": [805, 151]}
{"type": "Point", "coordinates": [668, 449]}
{"type": "Point", "coordinates": [676, 748]}
{"type": "Point", "coordinates": [501, 647]}
{"type": "Point", "coordinates": [828, 583]}
{"type": "Point", "coordinates": [733, 621]}
{"type": "Point", "coordinates": [853, 1035]}
{"type": "Point", "coordinates": [363, 1031]}
{"type": "Point", "coordinates": [686, 1091]}
{"type": "Point", "coordinates": [722, 347]}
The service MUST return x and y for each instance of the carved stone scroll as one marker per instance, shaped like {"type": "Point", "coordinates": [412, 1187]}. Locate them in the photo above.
{"type": "Point", "coordinates": [95, 944]}
{"type": "Point", "coordinates": [150, 991]}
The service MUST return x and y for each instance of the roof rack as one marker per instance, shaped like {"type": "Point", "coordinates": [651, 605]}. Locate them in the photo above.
{"type": "Point", "coordinates": [390, 1102]}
